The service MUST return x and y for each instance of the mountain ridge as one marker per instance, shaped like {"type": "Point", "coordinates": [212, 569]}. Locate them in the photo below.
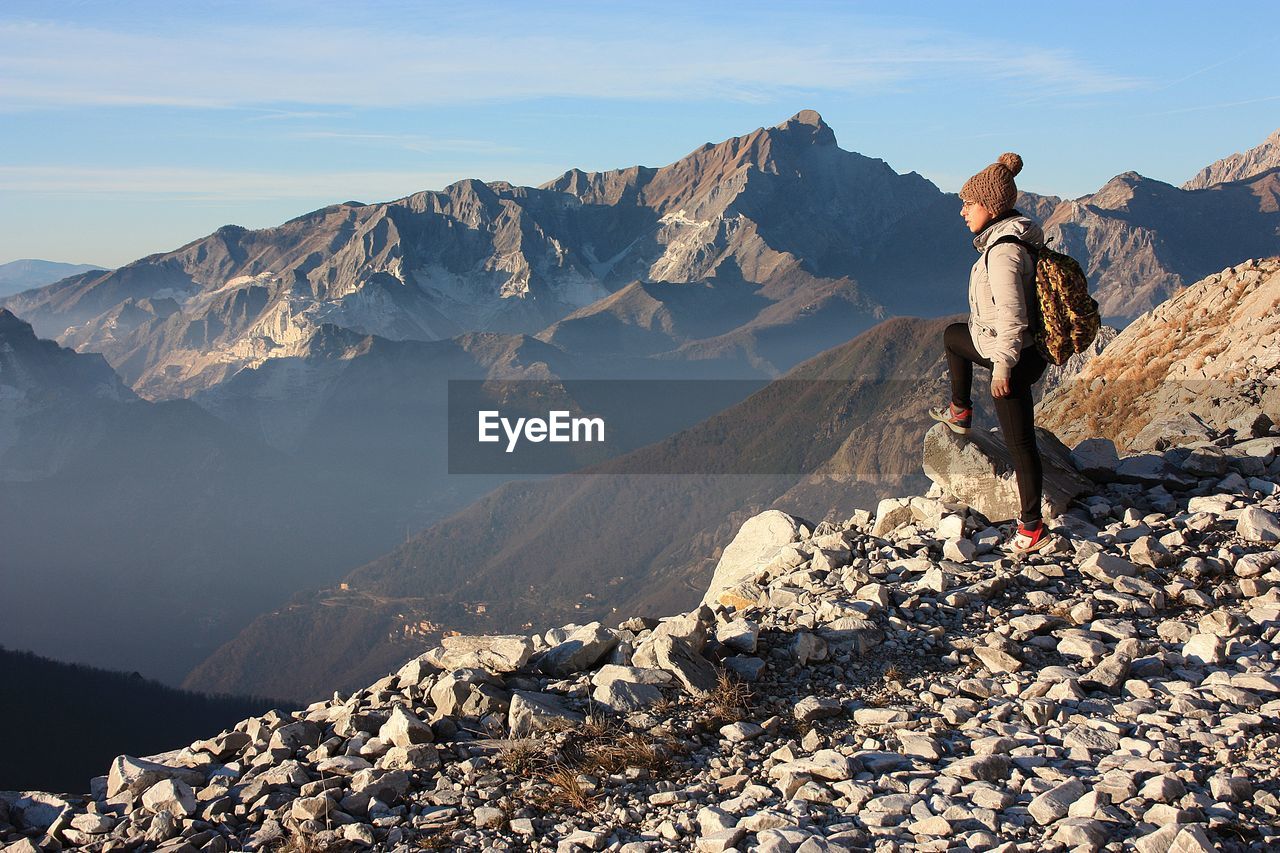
{"type": "Point", "coordinates": [1239, 166]}
{"type": "Point", "coordinates": [496, 257]}
{"type": "Point", "coordinates": [27, 273]}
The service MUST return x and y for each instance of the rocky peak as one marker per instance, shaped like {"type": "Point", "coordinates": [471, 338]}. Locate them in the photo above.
{"type": "Point", "coordinates": [781, 149]}
{"type": "Point", "coordinates": [709, 169]}
{"type": "Point", "coordinates": [12, 328]}
{"type": "Point", "coordinates": [1239, 166]}
{"type": "Point", "coordinates": [808, 127]}
{"type": "Point", "coordinates": [1120, 191]}
{"type": "Point", "coordinates": [31, 365]}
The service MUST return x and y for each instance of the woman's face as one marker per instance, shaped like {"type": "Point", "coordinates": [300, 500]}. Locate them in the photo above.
{"type": "Point", "coordinates": [976, 216]}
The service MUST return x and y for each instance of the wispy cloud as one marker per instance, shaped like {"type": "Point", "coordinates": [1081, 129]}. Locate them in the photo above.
{"type": "Point", "coordinates": [58, 64]}
{"type": "Point", "coordinates": [196, 184]}
{"type": "Point", "coordinates": [412, 142]}
{"type": "Point", "coordinates": [1217, 105]}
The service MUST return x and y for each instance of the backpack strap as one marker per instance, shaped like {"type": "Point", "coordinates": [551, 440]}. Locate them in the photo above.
{"type": "Point", "coordinates": [1009, 238]}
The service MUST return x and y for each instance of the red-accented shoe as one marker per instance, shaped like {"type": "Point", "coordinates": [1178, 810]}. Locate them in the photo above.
{"type": "Point", "coordinates": [1030, 539]}
{"type": "Point", "coordinates": [960, 420]}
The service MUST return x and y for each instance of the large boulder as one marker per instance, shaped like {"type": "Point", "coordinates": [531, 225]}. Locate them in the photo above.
{"type": "Point", "coordinates": [624, 696]}
{"type": "Point", "coordinates": [691, 669]}
{"type": "Point", "coordinates": [134, 775]}
{"type": "Point", "coordinates": [1097, 459]}
{"type": "Point", "coordinates": [33, 809]}
{"type": "Point", "coordinates": [498, 654]}
{"type": "Point", "coordinates": [539, 712]}
{"type": "Point", "coordinates": [757, 542]}
{"type": "Point", "coordinates": [468, 693]}
{"type": "Point", "coordinates": [171, 795]}
{"type": "Point", "coordinates": [693, 628]}
{"type": "Point", "coordinates": [581, 650]}
{"type": "Point", "coordinates": [1258, 525]}
{"type": "Point", "coordinates": [404, 729]}
{"type": "Point", "coordinates": [295, 736]}
{"type": "Point", "coordinates": [1152, 469]}
{"type": "Point", "coordinates": [977, 469]}
{"type": "Point", "coordinates": [1171, 430]}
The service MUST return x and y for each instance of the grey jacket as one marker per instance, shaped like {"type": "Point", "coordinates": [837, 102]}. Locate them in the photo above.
{"type": "Point", "coordinates": [998, 316]}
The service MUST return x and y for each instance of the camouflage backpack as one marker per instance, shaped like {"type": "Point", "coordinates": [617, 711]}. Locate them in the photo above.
{"type": "Point", "coordinates": [1064, 316]}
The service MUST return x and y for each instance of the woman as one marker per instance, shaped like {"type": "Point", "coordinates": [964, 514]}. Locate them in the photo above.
{"type": "Point", "coordinates": [999, 336]}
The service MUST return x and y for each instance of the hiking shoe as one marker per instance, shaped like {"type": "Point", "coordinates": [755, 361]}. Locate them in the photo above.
{"type": "Point", "coordinates": [1029, 539]}
{"type": "Point", "coordinates": [958, 419]}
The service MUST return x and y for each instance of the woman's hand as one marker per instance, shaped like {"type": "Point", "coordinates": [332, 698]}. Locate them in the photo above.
{"type": "Point", "coordinates": [999, 387]}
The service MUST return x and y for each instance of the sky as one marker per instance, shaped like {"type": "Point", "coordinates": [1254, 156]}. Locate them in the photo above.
{"type": "Point", "coordinates": [128, 128]}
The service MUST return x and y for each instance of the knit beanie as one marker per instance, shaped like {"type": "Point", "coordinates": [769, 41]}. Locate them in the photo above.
{"type": "Point", "coordinates": [993, 187]}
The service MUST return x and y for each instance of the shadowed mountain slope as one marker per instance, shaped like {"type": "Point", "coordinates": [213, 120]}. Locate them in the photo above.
{"type": "Point", "coordinates": [141, 535]}
{"type": "Point", "coordinates": [62, 746]}
{"type": "Point", "coordinates": [839, 431]}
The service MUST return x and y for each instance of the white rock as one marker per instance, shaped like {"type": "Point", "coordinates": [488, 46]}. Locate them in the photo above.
{"type": "Point", "coordinates": [403, 729]}
{"type": "Point", "coordinates": [741, 731]}
{"type": "Point", "coordinates": [1054, 803]}
{"type": "Point", "coordinates": [691, 669]}
{"type": "Point", "coordinates": [959, 549]}
{"type": "Point", "coordinates": [1257, 525]}
{"type": "Point", "coordinates": [978, 470]}
{"type": "Point", "coordinates": [757, 542]}
{"type": "Point", "coordinates": [536, 712]}
{"type": "Point", "coordinates": [739, 635]}
{"type": "Point", "coordinates": [625, 696]}
{"type": "Point", "coordinates": [171, 795]}
{"type": "Point", "coordinates": [498, 654]}
{"type": "Point", "coordinates": [1207, 649]}
{"type": "Point", "coordinates": [1107, 567]}
{"type": "Point", "coordinates": [135, 775]}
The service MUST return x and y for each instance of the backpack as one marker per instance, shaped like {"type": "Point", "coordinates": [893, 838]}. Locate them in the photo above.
{"type": "Point", "coordinates": [1066, 318]}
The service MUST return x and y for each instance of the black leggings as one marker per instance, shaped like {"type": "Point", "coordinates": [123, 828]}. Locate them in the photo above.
{"type": "Point", "coordinates": [1015, 411]}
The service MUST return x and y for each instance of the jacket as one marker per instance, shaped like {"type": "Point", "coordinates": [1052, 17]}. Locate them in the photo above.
{"type": "Point", "coordinates": [999, 282]}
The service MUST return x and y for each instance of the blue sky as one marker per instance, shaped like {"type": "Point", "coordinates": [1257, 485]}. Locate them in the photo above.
{"type": "Point", "coordinates": [128, 128]}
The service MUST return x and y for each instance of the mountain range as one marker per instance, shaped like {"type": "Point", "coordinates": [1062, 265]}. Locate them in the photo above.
{"type": "Point", "coordinates": [26, 273]}
{"type": "Point", "coordinates": [1140, 240]}
{"type": "Point", "coordinates": [795, 243]}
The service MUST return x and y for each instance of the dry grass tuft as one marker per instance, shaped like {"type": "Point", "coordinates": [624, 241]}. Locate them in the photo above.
{"type": "Point", "coordinates": [598, 747]}
{"type": "Point", "coordinates": [523, 757]}
{"type": "Point", "coordinates": [730, 702]}
{"type": "Point", "coordinates": [596, 726]}
{"type": "Point", "coordinates": [631, 750]}
{"type": "Point", "coordinates": [440, 838]}
{"type": "Point", "coordinates": [567, 789]}
{"type": "Point", "coordinates": [302, 843]}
